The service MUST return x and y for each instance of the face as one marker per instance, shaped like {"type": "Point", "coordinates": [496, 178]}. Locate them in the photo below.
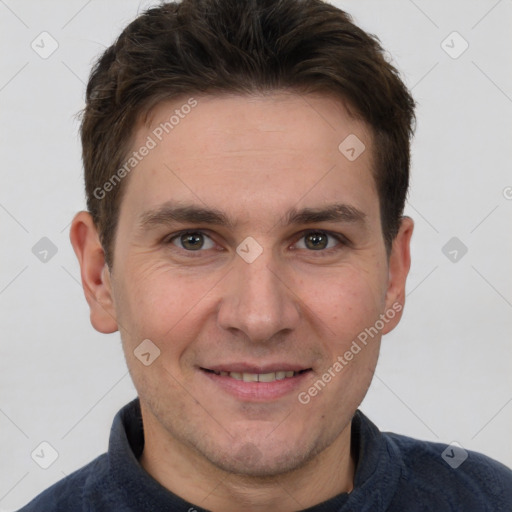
{"type": "Point", "coordinates": [249, 251]}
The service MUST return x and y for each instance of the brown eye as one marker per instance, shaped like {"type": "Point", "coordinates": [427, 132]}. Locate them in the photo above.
{"type": "Point", "coordinates": [192, 241]}
{"type": "Point", "coordinates": [316, 241]}
{"type": "Point", "coordinates": [319, 241]}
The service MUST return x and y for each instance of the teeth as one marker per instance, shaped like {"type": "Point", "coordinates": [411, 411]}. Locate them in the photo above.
{"type": "Point", "coordinates": [257, 377]}
{"type": "Point", "coordinates": [266, 377]}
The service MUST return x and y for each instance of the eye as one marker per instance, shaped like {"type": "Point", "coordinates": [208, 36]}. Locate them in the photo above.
{"type": "Point", "coordinates": [318, 241]}
{"type": "Point", "coordinates": [192, 241]}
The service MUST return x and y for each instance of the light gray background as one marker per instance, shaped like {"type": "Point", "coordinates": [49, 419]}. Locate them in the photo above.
{"type": "Point", "coordinates": [444, 373]}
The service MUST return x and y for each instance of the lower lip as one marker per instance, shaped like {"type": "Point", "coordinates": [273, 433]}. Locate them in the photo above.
{"type": "Point", "coordinates": [258, 391]}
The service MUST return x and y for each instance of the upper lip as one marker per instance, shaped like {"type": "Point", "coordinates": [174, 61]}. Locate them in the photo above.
{"type": "Point", "coordinates": [253, 368]}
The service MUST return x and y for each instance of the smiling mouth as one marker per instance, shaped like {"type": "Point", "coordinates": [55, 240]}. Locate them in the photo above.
{"type": "Point", "coordinates": [258, 377]}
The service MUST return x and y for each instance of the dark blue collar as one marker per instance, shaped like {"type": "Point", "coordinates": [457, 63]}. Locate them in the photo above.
{"type": "Point", "coordinates": [378, 470]}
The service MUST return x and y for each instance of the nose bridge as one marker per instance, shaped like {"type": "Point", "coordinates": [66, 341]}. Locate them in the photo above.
{"type": "Point", "coordinates": [256, 301]}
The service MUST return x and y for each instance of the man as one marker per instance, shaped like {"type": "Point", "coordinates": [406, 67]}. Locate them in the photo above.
{"type": "Point", "coordinates": [246, 168]}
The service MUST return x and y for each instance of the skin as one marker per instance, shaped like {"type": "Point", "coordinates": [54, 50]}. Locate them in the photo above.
{"type": "Point", "coordinates": [253, 158]}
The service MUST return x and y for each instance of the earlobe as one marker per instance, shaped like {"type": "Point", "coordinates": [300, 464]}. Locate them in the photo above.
{"type": "Point", "coordinates": [399, 265]}
{"type": "Point", "coordinates": [94, 272]}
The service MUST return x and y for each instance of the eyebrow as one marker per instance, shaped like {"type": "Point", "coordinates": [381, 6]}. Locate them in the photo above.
{"type": "Point", "coordinates": [169, 212]}
{"type": "Point", "coordinates": [337, 212]}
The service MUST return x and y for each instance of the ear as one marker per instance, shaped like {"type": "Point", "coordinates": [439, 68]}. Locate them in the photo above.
{"type": "Point", "coordinates": [399, 265]}
{"type": "Point", "coordinates": [94, 272]}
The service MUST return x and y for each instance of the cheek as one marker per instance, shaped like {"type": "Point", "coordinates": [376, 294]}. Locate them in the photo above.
{"type": "Point", "coordinates": [159, 303]}
{"type": "Point", "coordinates": [346, 307]}
{"type": "Point", "coordinates": [345, 302]}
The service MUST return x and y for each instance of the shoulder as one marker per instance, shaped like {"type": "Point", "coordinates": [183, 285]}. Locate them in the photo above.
{"type": "Point", "coordinates": [451, 476]}
{"type": "Point", "coordinates": [72, 492]}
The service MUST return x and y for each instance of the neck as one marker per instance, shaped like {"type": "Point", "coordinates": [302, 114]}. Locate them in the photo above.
{"type": "Point", "coordinates": [183, 471]}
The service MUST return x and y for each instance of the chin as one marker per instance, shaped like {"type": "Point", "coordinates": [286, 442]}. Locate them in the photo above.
{"type": "Point", "coordinates": [260, 459]}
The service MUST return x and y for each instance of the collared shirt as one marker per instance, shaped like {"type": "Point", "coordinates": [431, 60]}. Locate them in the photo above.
{"type": "Point", "coordinates": [394, 473]}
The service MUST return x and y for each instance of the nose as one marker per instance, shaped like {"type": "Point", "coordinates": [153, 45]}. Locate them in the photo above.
{"type": "Point", "coordinates": [258, 300]}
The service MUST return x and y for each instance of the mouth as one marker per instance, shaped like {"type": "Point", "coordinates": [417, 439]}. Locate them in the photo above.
{"type": "Point", "coordinates": [258, 377]}
{"type": "Point", "coordinates": [257, 384]}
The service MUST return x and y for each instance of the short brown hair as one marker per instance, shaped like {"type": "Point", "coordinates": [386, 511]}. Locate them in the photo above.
{"type": "Point", "coordinates": [242, 46]}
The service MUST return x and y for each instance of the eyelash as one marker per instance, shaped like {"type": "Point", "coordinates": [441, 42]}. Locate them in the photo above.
{"type": "Point", "coordinates": [342, 241]}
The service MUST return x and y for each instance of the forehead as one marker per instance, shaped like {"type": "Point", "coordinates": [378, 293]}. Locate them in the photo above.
{"type": "Point", "coordinates": [246, 122]}
{"type": "Point", "coordinates": [257, 153]}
